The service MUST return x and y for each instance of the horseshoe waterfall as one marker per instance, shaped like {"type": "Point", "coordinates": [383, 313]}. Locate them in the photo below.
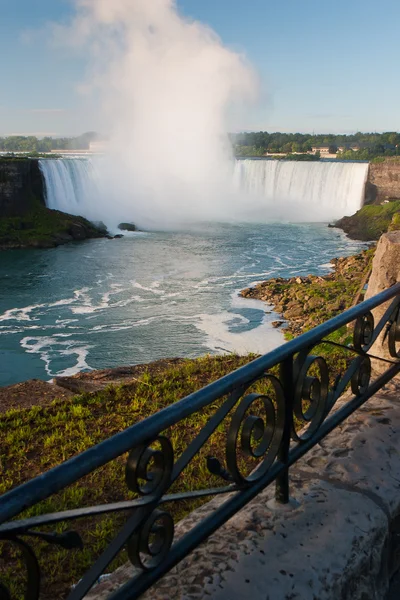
{"type": "Point", "coordinates": [268, 190]}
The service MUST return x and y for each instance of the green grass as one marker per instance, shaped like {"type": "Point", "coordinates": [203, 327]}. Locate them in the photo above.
{"type": "Point", "coordinates": [371, 220]}
{"type": "Point", "coordinates": [34, 440]}
{"type": "Point", "coordinates": [40, 227]}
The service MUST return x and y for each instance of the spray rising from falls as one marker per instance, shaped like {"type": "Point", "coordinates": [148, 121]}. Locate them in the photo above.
{"type": "Point", "coordinates": [268, 190]}
{"type": "Point", "coordinates": [165, 89]}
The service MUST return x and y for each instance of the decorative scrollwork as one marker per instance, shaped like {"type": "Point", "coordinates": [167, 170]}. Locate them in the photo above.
{"type": "Point", "coordinates": [310, 394]}
{"type": "Point", "coordinates": [258, 437]}
{"type": "Point", "coordinates": [149, 467]}
{"type": "Point", "coordinates": [32, 585]}
{"type": "Point", "coordinates": [394, 334]}
{"type": "Point", "coordinates": [148, 547]}
{"type": "Point", "coordinates": [363, 332]}
{"type": "Point", "coordinates": [360, 379]}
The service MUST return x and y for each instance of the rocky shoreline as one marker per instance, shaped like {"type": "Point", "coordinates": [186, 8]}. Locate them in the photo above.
{"type": "Point", "coordinates": [305, 302]}
{"type": "Point", "coordinates": [35, 392]}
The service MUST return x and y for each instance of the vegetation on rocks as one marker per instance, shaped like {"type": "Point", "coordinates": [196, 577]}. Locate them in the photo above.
{"type": "Point", "coordinates": [371, 221]}
{"type": "Point", "coordinates": [44, 228]}
{"type": "Point", "coordinates": [305, 302]}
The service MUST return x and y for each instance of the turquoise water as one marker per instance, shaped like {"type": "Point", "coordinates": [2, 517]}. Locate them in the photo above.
{"type": "Point", "coordinates": [103, 303]}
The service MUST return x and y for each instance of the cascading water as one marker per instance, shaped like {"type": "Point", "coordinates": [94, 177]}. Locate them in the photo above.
{"type": "Point", "coordinates": [71, 185]}
{"type": "Point", "coordinates": [264, 190]}
{"type": "Point", "coordinates": [304, 191]}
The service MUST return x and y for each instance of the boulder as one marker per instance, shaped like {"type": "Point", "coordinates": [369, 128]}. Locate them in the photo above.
{"type": "Point", "coordinates": [77, 231]}
{"type": "Point", "coordinates": [127, 227]}
{"type": "Point", "coordinates": [385, 273]}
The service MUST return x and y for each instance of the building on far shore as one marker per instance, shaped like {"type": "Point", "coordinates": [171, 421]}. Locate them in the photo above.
{"type": "Point", "coordinates": [321, 149]}
{"type": "Point", "coordinates": [353, 147]}
{"type": "Point", "coordinates": [324, 150]}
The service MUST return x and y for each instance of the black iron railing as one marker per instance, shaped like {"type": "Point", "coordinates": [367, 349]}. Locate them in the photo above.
{"type": "Point", "coordinates": [292, 417]}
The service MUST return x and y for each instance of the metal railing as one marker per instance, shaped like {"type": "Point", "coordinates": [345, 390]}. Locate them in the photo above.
{"type": "Point", "coordinates": [292, 417]}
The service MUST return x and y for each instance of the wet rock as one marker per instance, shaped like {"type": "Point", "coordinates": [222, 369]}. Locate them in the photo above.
{"type": "Point", "coordinates": [127, 227]}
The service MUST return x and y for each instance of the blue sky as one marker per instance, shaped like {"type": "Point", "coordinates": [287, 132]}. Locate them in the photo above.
{"type": "Point", "coordinates": [324, 66]}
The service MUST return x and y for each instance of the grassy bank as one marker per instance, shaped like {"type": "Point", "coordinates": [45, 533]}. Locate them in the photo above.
{"type": "Point", "coordinates": [371, 221]}
{"type": "Point", "coordinates": [36, 439]}
{"type": "Point", "coordinates": [44, 228]}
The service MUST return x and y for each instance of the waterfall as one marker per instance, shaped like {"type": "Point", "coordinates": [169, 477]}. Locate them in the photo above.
{"type": "Point", "coordinates": [70, 184]}
{"type": "Point", "coordinates": [265, 190]}
{"type": "Point", "coordinates": [308, 191]}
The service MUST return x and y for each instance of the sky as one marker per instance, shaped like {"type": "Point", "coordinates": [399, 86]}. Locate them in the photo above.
{"type": "Point", "coordinates": [323, 66]}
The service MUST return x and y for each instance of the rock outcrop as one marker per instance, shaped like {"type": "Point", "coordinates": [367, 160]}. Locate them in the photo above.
{"type": "Point", "coordinates": [371, 221]}
{"type": "Point", "coordinates": [308, 301]}
{"type": "Point", "coordinates": [385, 273]}
{"type": "Point", "coordinates": [385, 177]}
{"type": "Point", "coordinates": [21, 183]}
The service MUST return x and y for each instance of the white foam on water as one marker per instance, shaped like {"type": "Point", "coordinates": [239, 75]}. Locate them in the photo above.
{"type": "Point", "coordinates": [152, 288]}
{"type": "Point", "coordinates": [20, 314]}
{"type": "Point", "coordinates": [327, 265]}
{"type": "Point", "coordinates": [221, 337]}
{"type": "Point", "coordinates": [49, 348]}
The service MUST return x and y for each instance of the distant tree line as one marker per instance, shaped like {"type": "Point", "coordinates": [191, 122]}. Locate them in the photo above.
{"type": "Point", "coordinates": [32, 144]}
{"type": "Point", "coordinates": [368, 145]}
{"type": "Point", "coordinates": [361, 146]}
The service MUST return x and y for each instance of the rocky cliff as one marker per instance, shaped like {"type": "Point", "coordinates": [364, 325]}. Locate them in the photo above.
{"type": "Point", "coordinates": [21, 185]}
{"type": "Point", "coordinates": [383, 181]}
{"type": "Point", "coordinates": [25, 222]}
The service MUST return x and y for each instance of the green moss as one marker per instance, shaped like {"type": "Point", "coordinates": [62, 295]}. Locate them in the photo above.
{"type": "Point", "coordinates": [42, 227]}
{"type": "Point", "coordinates": [395, 222]}
{"type": "Point", "coordinates": [370, 221]}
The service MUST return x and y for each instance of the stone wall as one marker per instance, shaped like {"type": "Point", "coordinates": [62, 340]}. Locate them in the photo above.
{"type": "Point", "coordinates": [21, 183]}
{"type": "Point", "coordinates": [383, 181]}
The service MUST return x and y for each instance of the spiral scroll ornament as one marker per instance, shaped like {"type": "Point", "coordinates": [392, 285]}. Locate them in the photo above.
{"type": "Point", "coordinates": [32, 584]}
{"type": "Point", "coordinates": [394, 334]}
{"type": "Point", "coordinates": [310, 395]}
{"type": "Point", "coordinates": [257, 437]}
{"type": "Point", "coordinates": [363, 332]}
{"type": "Point", "coordinates": [149, 546]}
{"type": "Point", "coordinates": [149, 467]}
{"type": "Point", "coordinates": [361, 378]}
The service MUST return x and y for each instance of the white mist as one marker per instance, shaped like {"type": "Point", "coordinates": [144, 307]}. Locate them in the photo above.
{"type": "Point", "coordinates": [163, 85]}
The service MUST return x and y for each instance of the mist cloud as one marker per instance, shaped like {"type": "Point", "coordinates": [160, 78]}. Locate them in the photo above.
{"type": "Point", "coordinates": [163, 85]}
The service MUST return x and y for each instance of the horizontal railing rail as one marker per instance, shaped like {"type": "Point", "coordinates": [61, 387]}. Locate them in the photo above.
{"type": "Point", "coordinates": [272, 410]}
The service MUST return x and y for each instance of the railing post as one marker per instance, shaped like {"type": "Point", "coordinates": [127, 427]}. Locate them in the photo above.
{"type": "Point", "coordinates": [282, 481]}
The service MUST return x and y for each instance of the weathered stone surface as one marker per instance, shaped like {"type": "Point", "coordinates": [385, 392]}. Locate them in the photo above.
{"type": "Point", "coordinates": [385, 177]}
{"type": "Point", "coordinates": [20, 182]}
{"type": "Point", "coordinates": [385, 273]}
{"type": "Point", "coordinates": [335, 544]}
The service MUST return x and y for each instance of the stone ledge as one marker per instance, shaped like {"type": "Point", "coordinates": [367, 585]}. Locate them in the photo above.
{"type": "Point", "coordinates": [335, 545]}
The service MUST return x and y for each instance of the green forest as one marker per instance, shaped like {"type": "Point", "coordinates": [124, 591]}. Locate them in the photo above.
{"type": "Point", "coordinates": [32, 144]}
{"type": "Point", "coordinates": [361, 146]}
